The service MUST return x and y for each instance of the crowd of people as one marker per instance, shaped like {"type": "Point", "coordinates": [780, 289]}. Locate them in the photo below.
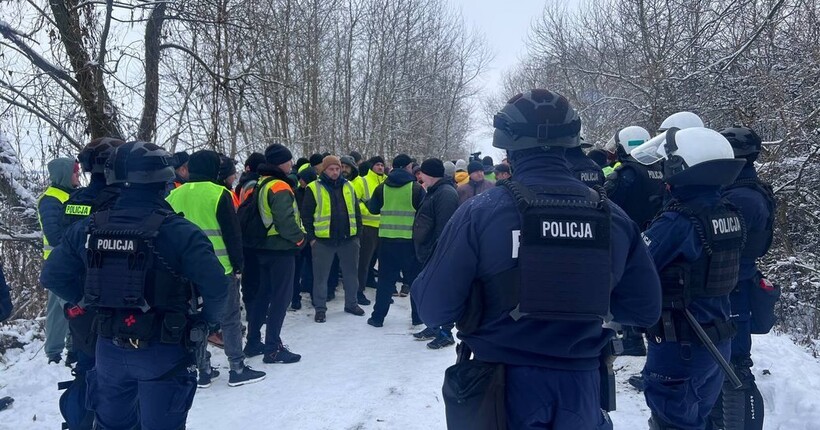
{"type": "Point", "coordinates": [566, 245]}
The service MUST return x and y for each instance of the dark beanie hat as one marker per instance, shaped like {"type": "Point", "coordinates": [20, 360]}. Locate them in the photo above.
{"type": "Point", "coordinates": [277, 154]}
{"type": "Point", "coordinates": [308, 175]}
{"type": "Point", "coordinates": [474, 166]}
{"type": "Point", "coordinates": [487, 161]}
{"type": "Point", "coordinates": [227, 167]}
{"type": "Point", "coordinates": [254, 160]}
{"type": "Point", "coordinates": [301, 161]}
{"type": "Point", "coordinates": [180, 158]}
{"type": "Point", "coordinates": [204, 166]}
{"type": "Point", "coordinates": [316, 159]}
{"type": "Point", "coordinates": [433, 167]}
{"type": "Point", "coordinates": [356, 156]}
{"type": "Point", "coordinates": [401, 161]}
{"type": "Point", "coordinates": [502, 168]}
{"type": "Point", "coordinates": [376, 159]}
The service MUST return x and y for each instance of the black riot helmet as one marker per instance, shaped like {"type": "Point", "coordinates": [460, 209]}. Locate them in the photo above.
{"type": "Point", "coordinates": [94, 155]}
{"type": "Point", "coordinates": [745, 142]}
{"type": "Point", "coordinates": [534, 119]}
{"type": "Point", "coordinates": [139, 163]}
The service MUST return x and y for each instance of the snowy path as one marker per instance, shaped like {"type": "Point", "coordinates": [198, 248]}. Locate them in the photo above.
{"type": "Point", "coordinates": [353, 376]}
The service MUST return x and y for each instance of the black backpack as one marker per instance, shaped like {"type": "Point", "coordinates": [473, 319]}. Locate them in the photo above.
{"type": "Point", "coordinates": [254, 230]}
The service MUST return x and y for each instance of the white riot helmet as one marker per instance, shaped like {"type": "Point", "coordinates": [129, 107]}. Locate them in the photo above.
{"type": "Point", "coordinates": [627, 138]}
{"type": "Point", "coordinates": [694, 156]}
{"type": "Point", "coordinates": [681, 120]}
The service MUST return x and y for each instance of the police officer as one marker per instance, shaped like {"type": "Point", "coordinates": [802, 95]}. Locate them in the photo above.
{"type": "Point", "coordinates": [135, 264]}
{"type": "Point", "coordinates": [585, 169]}
{"type": "Point", "coordinates": [522, 293]}
{"type": "Point", "coordinates": [95, 197]}
{"type": "Point", "coordinates": [64, 176]}
{"type": "Point", "coordinates": [695, 244]}
{"type": "Point", "coordinates": [397, 200]}
{"type": "Point", "coordinates": [743, 408]}
{"type": "Point", "coordinates": [639, 190]}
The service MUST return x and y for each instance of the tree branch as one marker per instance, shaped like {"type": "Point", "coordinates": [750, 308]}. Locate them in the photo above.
{"type": "Point", "coordinates": [35, 58]}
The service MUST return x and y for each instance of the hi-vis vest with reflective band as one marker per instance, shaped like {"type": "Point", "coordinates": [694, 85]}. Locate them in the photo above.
{"type": "Point", "coordinates": [264, 205]}
{"type": "Point", "coordinates": [198, 201]}
{"type": "Point", "coordinates": [397, 212]}
{"type": "Point", "coordinates": [365, 187]}
{"type": "Point", "coordinates": [60, 195]}
{"type": "Point", "coordinates": [322, 214]}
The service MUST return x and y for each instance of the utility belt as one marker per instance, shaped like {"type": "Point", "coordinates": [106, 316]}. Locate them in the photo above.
{"type": "Point", "coordinates": [673, 327]}
{"type": "Point", "coordinates": [133, 329]}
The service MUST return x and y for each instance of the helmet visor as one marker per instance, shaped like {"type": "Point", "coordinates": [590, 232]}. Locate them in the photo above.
{"type": "Point", "coordinates": [650, 152]}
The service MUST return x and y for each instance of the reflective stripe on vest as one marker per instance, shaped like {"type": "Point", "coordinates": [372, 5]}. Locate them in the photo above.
{"type": "Point", "coordinates": [62, 197]}
{"type": "Point", "coordinates": [198, 202]}
{"type": "Point", "coordinates": [369, 184]}
{"type": "Point", "coordinates": [323, 212]}
{"type": "Point", "coordinates": [397, 213]}
{"type": "Point", "coordinates": [265, 211]}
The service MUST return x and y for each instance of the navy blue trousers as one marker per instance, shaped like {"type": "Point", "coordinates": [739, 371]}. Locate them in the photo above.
{"type": "Point", "coordinates": [742, 313]}
{"type": "Point", "coordinates": [149, 388]}
{"type": "Point", "coordinates": [541, 398]}
{"type": "Point", "coordinates": [395, 257]}
{"type": "Point", "coordinates": [682, 382]}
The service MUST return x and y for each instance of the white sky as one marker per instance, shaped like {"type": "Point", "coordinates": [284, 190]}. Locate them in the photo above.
{"type": "Point", "coordinates": [505, 25]}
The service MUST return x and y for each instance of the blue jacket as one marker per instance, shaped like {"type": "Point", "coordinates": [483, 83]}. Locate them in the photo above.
{"type": "Point", "coordinates": [672, 235]}
{"type": "Point", "coordinates": [5, 297]}
{"type": "Point", "coordinates": [755, 210]}
{"type": "Point", "coordinates": [51, 213]}
{"type": "Point", "coordinates": [477, 243]}
{"type": "Point", "coordinates": [180, 242]}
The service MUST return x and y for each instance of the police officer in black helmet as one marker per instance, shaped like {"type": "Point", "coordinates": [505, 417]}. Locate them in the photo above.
{"type": "Point", "coordinates": [529, 304]}
{"type": "Point", "coordinates": [135, 264]}
{"type": "Point", "coordinates": [754, 297]}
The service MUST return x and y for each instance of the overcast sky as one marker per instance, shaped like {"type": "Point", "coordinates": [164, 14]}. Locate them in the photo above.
{"type": "Point", "coordinates": [505, 25]}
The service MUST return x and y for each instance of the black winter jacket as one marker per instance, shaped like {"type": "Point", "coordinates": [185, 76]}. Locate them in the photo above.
{"type": "Point", "coordinates": [437, 207]}
{"type": "Point", "coordinates": [339, 220]}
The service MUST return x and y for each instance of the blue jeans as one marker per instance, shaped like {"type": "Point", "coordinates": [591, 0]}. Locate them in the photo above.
{"type": "Point", "coordinates": [149, 388]}
{"type": "Point", "coordinates": [682, 382]}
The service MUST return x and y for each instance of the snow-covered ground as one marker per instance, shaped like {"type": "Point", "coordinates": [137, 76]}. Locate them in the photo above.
{"type": "Point", "coordinates": [353, 376]}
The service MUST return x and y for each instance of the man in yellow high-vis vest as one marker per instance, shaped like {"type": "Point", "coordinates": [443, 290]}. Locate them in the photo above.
{"type": "Point", "coordinates": [396, 200]}
{"type": "Point", "coordinates": [330, 213]}
{"type": "Point", "coordinates": [369, 238]}
{"type": "Point", "coordinates": [209, 205]}
{"type": "Point", "coordinates": [64, 174]}
{"type": "Point", "coordinates": [275, 255]}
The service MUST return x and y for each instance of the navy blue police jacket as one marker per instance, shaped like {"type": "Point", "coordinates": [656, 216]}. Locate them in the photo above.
{"type": "Point", "coordinates": [478, 244]}
{"type": "Point", "coordinates": [756, 212]}
{"type": "Point", "coordinates": [672, 235]}
{"type": "Point", "coordinates": [5, 298]}
{"type": "Point", "coordinates": [588, 171]}
{"type": "Point", "coordinates": [181, 243]}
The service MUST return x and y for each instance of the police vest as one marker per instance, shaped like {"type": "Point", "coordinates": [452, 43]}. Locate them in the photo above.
{"type": "Point", "coordinates": [264, 205]}
{"type": "Point", "coordinates": [398, 213]}
{"type": "Point", "coordinates": [198, 203]}
{"type": "Point", "coordinates": [722, 235]}
{"type": "Point", "coordinates": [136, 293]}
{"type": "Point", "coordinates": [324, 208]}
{"type": "Point", "coordinates": [564, 270]}
{"type": "Point", "coordinates": [62, 197]}
{"type": "Point", "coordinates": [758, 242]}
{"type": "Point", "coordinates": [364, 186]}
{"type": "Point", "coordinates": [78, 207]}
{"type": "Point", "coordinates": [646, 196]}
{"type": "Point", "coordinates": [609, 169]}
{"type": "Point", "coordinates": [590, 177]}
